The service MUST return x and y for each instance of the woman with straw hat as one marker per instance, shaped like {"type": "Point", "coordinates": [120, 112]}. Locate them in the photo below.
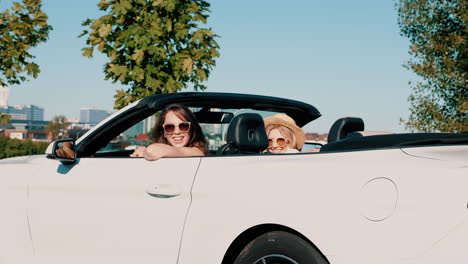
{"type": "Point", "coordinates": [284, 136]}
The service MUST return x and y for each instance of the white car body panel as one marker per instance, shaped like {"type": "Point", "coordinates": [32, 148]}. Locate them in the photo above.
{"type": "Point", "coordinates": [327, 205]}
{"type": "Point", "coordinates": [426, 226]}
{"type": "Point", "coordinates": [15, 238]}
{"type": "Point", "coordinates": [99, 209]}
{"type": "Point", "coordinates": [452, 153]}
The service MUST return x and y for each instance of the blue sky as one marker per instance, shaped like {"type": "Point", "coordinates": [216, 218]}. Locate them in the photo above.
{"type": "Point", "coordinates": [344, 57]}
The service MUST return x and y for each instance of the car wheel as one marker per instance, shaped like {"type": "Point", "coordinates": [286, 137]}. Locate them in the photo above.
{"type": "Point", "coordinates": [279, 247]}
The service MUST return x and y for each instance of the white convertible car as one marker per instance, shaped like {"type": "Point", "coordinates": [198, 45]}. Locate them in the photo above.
{"type": "Point", "coordinates": [380, 199]}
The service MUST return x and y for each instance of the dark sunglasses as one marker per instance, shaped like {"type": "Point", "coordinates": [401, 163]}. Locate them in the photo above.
{"type": "Point", "coordinates": [279, 141]}
{"type": "Point", "coordinates": [170, 128]}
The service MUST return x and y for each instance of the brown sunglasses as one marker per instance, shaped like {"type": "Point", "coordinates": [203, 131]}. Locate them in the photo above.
{"type": "Point", "coordinates": [279, 141]}
{"type": "Point", "coordinates": [170, 128]}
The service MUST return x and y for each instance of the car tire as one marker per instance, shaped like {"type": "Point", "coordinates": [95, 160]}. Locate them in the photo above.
{"type": "Point", "coordinates": [279, 247]}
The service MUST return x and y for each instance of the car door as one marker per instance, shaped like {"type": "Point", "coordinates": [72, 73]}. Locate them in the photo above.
{"type": "Point", "coordinates": [111, 210]}
{"type": "Point", "coordinates": [15, 239]}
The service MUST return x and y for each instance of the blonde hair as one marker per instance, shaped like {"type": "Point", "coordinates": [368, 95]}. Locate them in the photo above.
{"type": "Point", "coordinates": [286, 132]}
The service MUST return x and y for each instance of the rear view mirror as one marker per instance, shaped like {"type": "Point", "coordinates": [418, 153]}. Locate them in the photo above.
{"type": "Point", "coordinates": [207, 117]}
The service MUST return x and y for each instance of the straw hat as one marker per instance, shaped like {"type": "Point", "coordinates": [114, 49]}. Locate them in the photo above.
{"type": "Point", "coordinates": [285, 120]}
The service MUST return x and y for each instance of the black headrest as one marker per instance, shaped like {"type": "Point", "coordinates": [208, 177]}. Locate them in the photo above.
{"type": "Point", "coordinates": [247, 133]}
{"type": "Point", "coordinates": [343, 126]}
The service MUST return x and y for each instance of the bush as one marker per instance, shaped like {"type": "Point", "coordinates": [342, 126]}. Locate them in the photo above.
{"type": "Point", "coordinates": [15, 147]}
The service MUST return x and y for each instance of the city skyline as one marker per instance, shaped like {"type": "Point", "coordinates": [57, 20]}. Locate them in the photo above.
{"type": "Point", "coordinates": [7, 108]}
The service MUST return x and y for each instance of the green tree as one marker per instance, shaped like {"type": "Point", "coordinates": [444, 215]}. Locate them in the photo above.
{"type": "Point", "coordinates": [4, 119]}
{"type": "Point", "coordinates": [15, 147]}
{"type": "Point", "coordinates": [58, 127]}
{"type": "Point", "coordinates": [154, 46]}
{"type": "Point", "coordinates": [437, 31]}
{"type": "Point", "coordinates": [22, 27]}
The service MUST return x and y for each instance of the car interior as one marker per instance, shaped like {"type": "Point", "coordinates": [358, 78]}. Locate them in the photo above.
{"type": "Point", "coordinates": [233, 125]}
{"type": "Point", "coordinates": [214, 111]}
{"type": "Point", "coordinates": [240, 134]}
{"type": "Point", "coordinates": [245, 135]}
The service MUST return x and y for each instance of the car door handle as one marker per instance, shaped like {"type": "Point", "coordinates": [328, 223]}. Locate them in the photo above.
{"type": "Point", "coordinates": [164, 190]}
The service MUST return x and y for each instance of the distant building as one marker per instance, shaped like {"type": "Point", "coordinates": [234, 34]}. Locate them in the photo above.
{"type": "Point", "coordinates": [316, 137]}
{"type": "Point", "coordinates": [24, 112]}
{"type": "Point", "coordinates": [76, 129]}
{"type": "Point", "coordinates": [4, 93]}
{"type": "Point", "coordinates": [19, 112]}
{"type": "Point", "coordinates": [26, 129]}
{"type": "Point", "coordinates": [149, 123]}
{"type": "Point", "coordinates": [76, 133]}
{"type": "Point", "coordinates": [92, 115]}
{"type": "Point", "coordinates": [134, 130]}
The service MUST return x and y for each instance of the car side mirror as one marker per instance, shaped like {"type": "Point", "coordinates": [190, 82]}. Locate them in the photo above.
{"type": "Point", "coordinates": [64, 151]}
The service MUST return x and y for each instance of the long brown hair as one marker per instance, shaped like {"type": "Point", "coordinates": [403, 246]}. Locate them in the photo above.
{"type": "Point", "coordinates": [197, 139]}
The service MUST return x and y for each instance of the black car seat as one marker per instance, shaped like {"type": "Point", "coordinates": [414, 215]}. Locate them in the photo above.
{"type": "Point", "coordinates": [245, 135]}
{"type": "Point", "coordinates": [343, 127]}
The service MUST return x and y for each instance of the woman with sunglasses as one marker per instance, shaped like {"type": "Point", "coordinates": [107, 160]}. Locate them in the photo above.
{"type": "Point", "coordinates": [176, 134]}
{"type": "Point", "coordinates": [284, 136]}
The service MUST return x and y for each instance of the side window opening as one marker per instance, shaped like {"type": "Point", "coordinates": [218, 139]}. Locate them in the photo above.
{"type": "Point", "coordinates": [124, 144]}
{"type": "Point", "coordinates": [140, 134]}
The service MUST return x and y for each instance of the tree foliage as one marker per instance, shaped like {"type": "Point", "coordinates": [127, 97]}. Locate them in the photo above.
{"type": "Point", "coordinates": [22, 27]}
{"type": "Point", "coordinates": [154, 46]}
{"type": "Point", "coordinates": [437, 30]}
{"type": "Point", "coordinates": [58, 127]}
{"type": "Point", "coordinates": [15, 147]}
{"type": "Point", "coordinates": [4, 119]}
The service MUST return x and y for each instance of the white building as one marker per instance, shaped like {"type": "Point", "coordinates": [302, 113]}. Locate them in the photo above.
{"type": "Point", "coordinates": [4, 93]}
{"type": "Point", "coordinates": [92, 115]}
